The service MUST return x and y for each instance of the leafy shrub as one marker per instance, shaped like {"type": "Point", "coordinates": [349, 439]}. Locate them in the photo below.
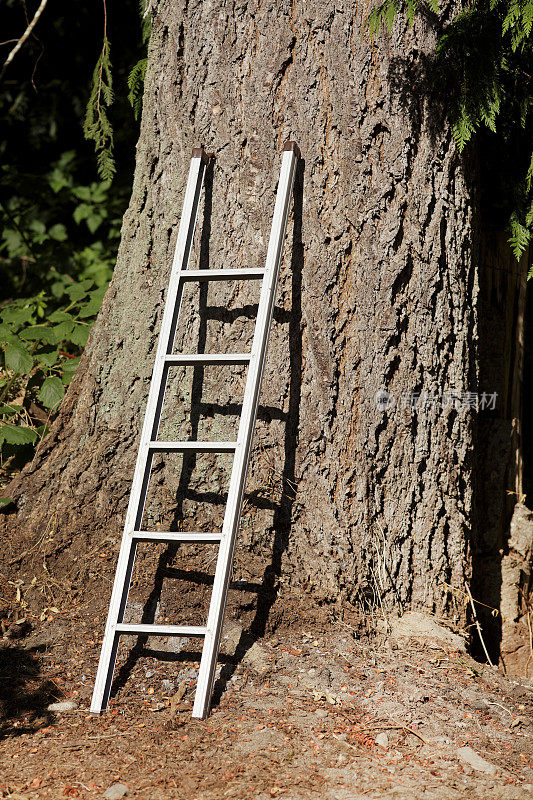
{"type": "Point", "coordinates": [59, 248]}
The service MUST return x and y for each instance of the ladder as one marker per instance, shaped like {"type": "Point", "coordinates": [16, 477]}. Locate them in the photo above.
{"type": "Point", "coordinates": [241, 448]}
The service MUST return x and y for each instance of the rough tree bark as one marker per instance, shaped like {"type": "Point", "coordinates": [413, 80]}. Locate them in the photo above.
{"type": "Point", "coordinates": [378, 291]}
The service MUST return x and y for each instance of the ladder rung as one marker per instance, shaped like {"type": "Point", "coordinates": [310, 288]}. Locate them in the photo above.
{"type": "Point", "coordinates": [196, 447]}
{"type": "Point", "coordinates": [159, 630]}
{"type": "Point", "coordinates": [207, 358]}
{"type": "Point", "coordinates": [162, 536]}
{"type": "Point", "coordinates": [221, 274]}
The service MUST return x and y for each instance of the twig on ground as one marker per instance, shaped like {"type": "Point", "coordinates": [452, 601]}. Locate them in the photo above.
{"type": "Point", "coordinates": [395, 727]}
{"type": "Point", "coordinates": [478, 626]}
{"type": "Point", "coordinates": [493, 703]}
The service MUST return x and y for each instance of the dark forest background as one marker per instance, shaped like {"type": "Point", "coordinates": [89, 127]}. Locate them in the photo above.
{"type": "Point", "coordinates": [59, 220]}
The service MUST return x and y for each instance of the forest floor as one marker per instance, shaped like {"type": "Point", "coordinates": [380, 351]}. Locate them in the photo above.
{"type": "Point", "coordinates": [316, 708]}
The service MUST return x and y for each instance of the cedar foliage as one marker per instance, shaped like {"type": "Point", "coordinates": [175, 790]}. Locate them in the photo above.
{"type": "Point", "coordinates": [485, 57]}
{"type": "Point", "coordinates": [97, 126]}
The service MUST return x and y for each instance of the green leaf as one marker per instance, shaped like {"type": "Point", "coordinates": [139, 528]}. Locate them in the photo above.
{"type": "Point", "coordinates": [59, 287]}
{"type": "Point", "coordinates": [81, 212]}
{"type": "Point", "coordinates": [38, 333]}
{"type": "Point", "coordinates": [60, 333]}
{"type": "Point", "coordinates": [58, 181]}
{"type": "Point", "coordinates": [79, 290]}
{"type": "Point", "coordinates": [17, 434]}
{"type": "Point", "coordinates": [51, 392]}
{"type": "Point", "coordinates": [60, 316]}
{"type": "Point", "coordinates": [69, 368]}
{"type": "Point", "coordinates": [79, 335]}
{"type": "Point", "coordinates": [58, 232]}
{"type": "Point", "coordinates": [82, 193]}
{"type": "Point", "coordinates": [18, 359]}
{"type": "Point", "coordinates": [95, 220]}
{"type": "Point", "coordinates": [7, 335]}
{"type": "Point", "coordinates": [93, 306]}
{"type": "Point", "coordinates": [17, 316]}
{"type": "Point", "coordinates": [10, 409]}
{"type": "Point", "coordinates": [14, 242]}
{"type": "Point", "coordinates": [37, 226]}
{"type": "Point", "coordinates": [4, 502]}
{"type": "Point", "coordinates": [48, 359]}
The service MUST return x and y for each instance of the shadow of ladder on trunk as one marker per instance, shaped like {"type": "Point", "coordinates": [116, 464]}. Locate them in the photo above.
{"type": "Point", "coordinates": [149, 444]}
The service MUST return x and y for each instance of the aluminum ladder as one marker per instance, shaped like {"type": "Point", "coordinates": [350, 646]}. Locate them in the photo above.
{"type": "Point", "coordinates": [241, 448]}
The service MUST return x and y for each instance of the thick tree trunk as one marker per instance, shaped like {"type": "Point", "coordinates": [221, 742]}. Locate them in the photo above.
{"type": "Point", "coordinates": [378, 291]}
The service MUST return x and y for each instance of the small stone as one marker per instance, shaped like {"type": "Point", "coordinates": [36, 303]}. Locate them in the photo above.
{"type": "Point", "coordinates": [116, 791]}
{"type": "Point", "coordinates": [321, 712]}
{"type": "Point", "coordinates": [166, 685]}
{"type": "Point", "coordinates": [65, 705]}
{"type": "Point", "coordinates": [475, 761]}
{"type": "Point", "coordinates": [257, 659]}
{"type": "Point", "coordinates": [417, 625]}
{"type": "Point", "coordinates": [382, 740]}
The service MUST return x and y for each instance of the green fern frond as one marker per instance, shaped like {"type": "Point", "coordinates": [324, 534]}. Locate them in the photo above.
{"type": "Point", "coordinates": [146, 23]}
{"type": "Point", "coordinates": [97, 126]}
{"type": "Point", "coordinates": [463, 128]}
{"type": "Point", "coordinates": [387, 11]}
{"type": "Point", "coordinates": [518, 21]}
{"type": "Point", "coordinates": [410, 10]}
{"type": "Point", "coordinates": [136, 86]}
{"type": "Point", "coordinates": [391, 8]}
{"type": "Point", "coordinates": [529, 175]}
{"type": "Point", "coordinates": [527, 16]}
{"type": "Point", "coordinates": [490, 108]}
{"type": "Point", "coordinates": [373, 21]}
{"type": "Point", "coordinates": [106, 165]}
{"type": "Point", "coordinates": [520, 236]}
{"type": "Point", "coordinates": [512, 16]}
{"type": "Point", "coordinates": [138, 72]}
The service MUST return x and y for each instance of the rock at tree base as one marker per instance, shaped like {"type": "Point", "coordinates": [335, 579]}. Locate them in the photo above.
{"type": "Point", "coordinates": [475, 761]}
{"type": "Point", "coordinates": [116, 791]}
{"type": "Point", "coordinates": [416, 625]}
{"type": "Point", "coordinates": [65, 705]}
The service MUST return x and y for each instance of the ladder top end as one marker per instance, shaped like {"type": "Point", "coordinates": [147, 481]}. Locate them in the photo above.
{"type": "Point", "coordinates": [199, 152]}
{"type": "Point", "coordinates": [290, 145]}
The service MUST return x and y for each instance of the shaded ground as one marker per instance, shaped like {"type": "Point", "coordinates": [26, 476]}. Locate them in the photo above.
{"type": "Point", "coordinates": [298, 717]}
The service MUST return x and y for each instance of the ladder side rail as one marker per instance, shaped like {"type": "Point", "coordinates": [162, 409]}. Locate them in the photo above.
{"type": "Point", "coordinates": [126, 559]}
{"type": "Point", "coordinates": [156, 394]}
{"type": "Point", "coordinates": [215, 620]}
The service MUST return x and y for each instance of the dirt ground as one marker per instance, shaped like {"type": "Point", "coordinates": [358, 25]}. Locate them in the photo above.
{"type": "Point", "coordinates": [317, 707]}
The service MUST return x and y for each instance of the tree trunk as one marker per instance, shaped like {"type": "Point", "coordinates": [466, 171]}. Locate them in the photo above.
{"type": "Point", "coordinates": [345, 498]}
